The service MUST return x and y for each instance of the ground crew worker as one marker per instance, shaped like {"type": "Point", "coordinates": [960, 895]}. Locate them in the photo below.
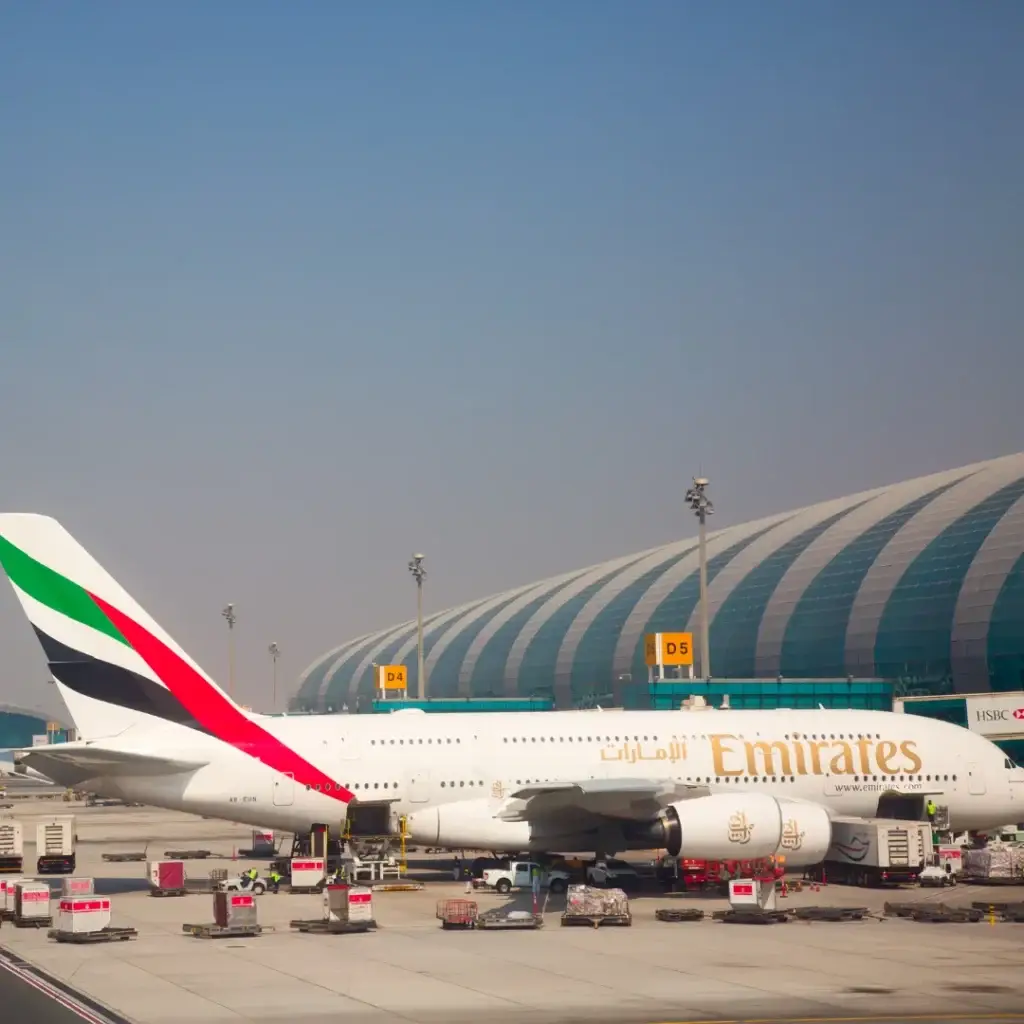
{"type": "Point", "coordinates": [249, 877]}
{"type": "Point", "coordinates": [930, 809]}
{"type": "Point", "coordinates": [275, 881]}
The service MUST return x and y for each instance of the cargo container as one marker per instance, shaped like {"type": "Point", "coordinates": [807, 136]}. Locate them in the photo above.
{"type": "Point", "coordinates": [70, 888]}
{"type": "Point", "coordinates": [167, 874]}
{"type": "Point", "coordinates": [8, 889]}
{"type": "Point", "coordinates": [348, 904]}
{"type": "Point", "coordinates": [55, 846]}
{"type": "Point", "coordinates": [12, 845]}
{"type": "Point", "coordinates": [234, 910]}
{"type": "Point", "coordinates": [83, 915]}
{"type": "Point", "coordinates": [31, 901]}
{"type": "Point", "coordinates": [876, 851]}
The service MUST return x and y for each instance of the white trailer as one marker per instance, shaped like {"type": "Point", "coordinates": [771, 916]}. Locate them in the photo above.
{"type": "Point", "coordinates": [55, 846]}
{"type": "Point", "coordinates": [12, 845]}
{"type": "Point", "coordinates": [875, 851]}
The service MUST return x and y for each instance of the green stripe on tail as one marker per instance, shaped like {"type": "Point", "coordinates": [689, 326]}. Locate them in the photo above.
{"type": "Point", "coordinates": [55, 591]}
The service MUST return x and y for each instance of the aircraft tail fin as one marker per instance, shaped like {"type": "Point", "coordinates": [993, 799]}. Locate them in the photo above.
{"type": "Point", "coordinates": [115, 667]}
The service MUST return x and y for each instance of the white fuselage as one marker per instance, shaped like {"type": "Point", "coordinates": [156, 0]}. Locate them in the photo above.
{"type": "Point", "coordinates": [410, 760]}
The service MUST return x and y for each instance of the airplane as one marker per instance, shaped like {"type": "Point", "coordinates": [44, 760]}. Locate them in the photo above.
{"type": "Point", "coordinates": [710, 783]}
{"type": "Point", "coordinates": [14, 770]}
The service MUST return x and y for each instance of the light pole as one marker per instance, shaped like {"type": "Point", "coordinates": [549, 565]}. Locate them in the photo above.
{"type": "Point", "coordinates": [229, 613]}
{"type": "Point", "coordinates": [419, 574]}
{"type": "Point", "coordinates": [275, 652]}
{"type": "Point", "coordinates": [697, 499]}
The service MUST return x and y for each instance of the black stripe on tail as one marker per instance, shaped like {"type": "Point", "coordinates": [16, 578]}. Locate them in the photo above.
{"type": "Point", "coordinates": [113, 684]}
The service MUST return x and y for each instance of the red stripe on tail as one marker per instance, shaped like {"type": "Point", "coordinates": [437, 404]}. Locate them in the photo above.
{"type": "Point", "coordinates": [214, 711]}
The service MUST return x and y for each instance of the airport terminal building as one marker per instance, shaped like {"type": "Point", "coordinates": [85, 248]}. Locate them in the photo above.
{"type": "Point", "coordinates": [920, 584]}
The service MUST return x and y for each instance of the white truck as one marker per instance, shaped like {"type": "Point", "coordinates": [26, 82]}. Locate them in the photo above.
{"type": "Point", "coordinates": [518, 874]}
{"type": "Point", "coordinates": [876, 851]}
{"type": "Point", "coordinates": [55, 846]}
{"type": "Point", "coordinates": [11, 844]}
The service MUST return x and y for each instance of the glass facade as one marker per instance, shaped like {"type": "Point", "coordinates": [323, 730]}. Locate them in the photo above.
{"type": "Point", "coordinates": [918, 584]}
{"type": "Point", "coordinates": [17, 729]}
{"type": "Point", "coordinates": [746, 694]}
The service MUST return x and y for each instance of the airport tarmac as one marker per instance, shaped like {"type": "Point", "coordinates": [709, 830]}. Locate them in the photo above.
{"type": "Point", "coordinates": [410, 970]}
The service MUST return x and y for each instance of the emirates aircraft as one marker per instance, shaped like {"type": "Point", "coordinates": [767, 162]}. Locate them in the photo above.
{"type": "Point", "coordinates": [704, 783]}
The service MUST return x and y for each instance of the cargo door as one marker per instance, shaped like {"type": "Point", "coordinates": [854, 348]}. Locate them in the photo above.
{"type": "Point", "coordinates": [975, 780]}
{"type": "Point", "coordinates": [284, 789]}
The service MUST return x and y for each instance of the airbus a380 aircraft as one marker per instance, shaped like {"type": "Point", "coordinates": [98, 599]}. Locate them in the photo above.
{"type": "Point", "coordinates": [708, 783]}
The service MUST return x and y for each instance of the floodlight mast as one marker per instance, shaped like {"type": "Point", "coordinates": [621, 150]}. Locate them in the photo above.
{"type": "Point", "coordinates": [700, 503]}
{"type": "Point", "coordinates": [419, 574]}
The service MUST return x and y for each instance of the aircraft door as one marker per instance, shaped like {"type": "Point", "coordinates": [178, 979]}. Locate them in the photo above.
{"type": "Point", "coordinates": [419, 785]}
{"type": "Point", "coordinates": [975, 779]}
{"type": "Point", "coordinates": [284, 789]}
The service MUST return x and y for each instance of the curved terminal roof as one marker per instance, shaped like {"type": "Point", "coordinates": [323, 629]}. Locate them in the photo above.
{"type": "Point", "coordinates": [921, 580]}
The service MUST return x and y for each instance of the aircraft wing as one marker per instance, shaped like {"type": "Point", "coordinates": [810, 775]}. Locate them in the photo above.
{"type": "Point", "coordinates": [621, 799]}
{"type": "Point", "coordinates": [70, 763]}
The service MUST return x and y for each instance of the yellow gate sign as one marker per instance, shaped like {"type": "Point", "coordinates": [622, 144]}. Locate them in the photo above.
{"type": "Point", "coordinates": [668, 649]}
{"type": "Point", "coordinates": [391, 677]}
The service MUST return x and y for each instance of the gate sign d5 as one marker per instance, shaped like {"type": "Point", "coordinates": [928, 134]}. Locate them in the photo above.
{"type": "Point", "coordinates": [668, 649]}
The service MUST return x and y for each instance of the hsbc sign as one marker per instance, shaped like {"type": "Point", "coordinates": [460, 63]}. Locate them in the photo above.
{"type": "Point", "coordinates": [996, 715]}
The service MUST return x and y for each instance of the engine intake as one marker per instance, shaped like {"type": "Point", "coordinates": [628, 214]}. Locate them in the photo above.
{"type": "Point", "coordinates": [744, 827]}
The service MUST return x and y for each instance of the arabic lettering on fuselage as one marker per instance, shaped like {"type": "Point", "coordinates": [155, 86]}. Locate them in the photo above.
{"type": "Point", "coordinates": [633, 752]}
{"type": "Point", "coordinates": [733, 756]}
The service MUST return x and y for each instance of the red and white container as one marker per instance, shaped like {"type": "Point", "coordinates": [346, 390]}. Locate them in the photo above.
{"type": "Point", "coordinates": [348, 904]}
{"type": "Point", "coordinates": [235, 910]}
{"type": "Point", "coordinates": [751, 894]}
{"type": "Point", "coordinates": [72, 887]}
{"type": "Point", "coordinates": [7, 895]}
{"type": "Point", "coordinates": [307, 872]}
{"type": "Point", "coordinates": [31, 901]}
{"type": "Point", "coordinates": [951, 859]}
{"type": "Point", "coordinates": [81, 915]}
{"type": "Point", "coordinates": [166, 874]}
{"type": "Point", "coordinates": [262, 842]}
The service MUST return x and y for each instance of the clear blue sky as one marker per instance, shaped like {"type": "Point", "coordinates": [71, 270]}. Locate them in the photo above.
{"type": "Point", "coordinates": [289, 290]}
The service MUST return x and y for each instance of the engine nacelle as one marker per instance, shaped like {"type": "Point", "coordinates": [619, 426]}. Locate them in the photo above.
{"type": "Point", "coordinates": [469, 824]}
{"type": "Point", "coordinates": [744, 826]}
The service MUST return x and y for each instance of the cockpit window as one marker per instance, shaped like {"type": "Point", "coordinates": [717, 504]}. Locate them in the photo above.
{"type": "Point", "coordinates": [1009, 763]}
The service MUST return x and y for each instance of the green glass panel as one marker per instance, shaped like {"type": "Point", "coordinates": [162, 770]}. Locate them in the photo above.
{"type": "Point", "coordinates": [915, 631]}
{"type": "Point", "coordinates": [815, 638]}
{"type": "Point", "coordinates": [735, 627]}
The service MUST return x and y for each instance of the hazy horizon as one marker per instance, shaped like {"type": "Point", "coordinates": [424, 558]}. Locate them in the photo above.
{"type": "Point", "coordinates": [290, 294]}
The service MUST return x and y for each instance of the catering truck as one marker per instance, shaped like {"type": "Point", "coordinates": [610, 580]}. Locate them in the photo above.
{"type": "Point", "coordinates": [875, 851]}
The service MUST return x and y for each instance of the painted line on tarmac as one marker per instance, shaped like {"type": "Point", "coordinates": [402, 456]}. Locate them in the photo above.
{"type": "Point", "coordinates": [62, 994]}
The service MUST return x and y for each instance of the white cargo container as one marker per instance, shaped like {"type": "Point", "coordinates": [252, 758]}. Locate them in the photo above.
{"type": "Point", "coordinates": [263, 842]}
{"type": "Point", "coordinates": [55, 845]}
{"type": "Point", "coordinates": [73, 887]}
{"type": "Point", "coordinates": [12, 844]}
{"type": "Point", "coordinates": [7, 893]}
{"type": "Point", "coordinates": [82, 915]}
{"type": "Point", "coordinates": [348, 904]}
{"type": "Point", "coordinates": [307, 872]}
{"type": "Point", "coordinates": [751, 894]}
{"type": "Point", "coordinates": [871, 851]}
{"type": "Point", "coordinates": [31, 901]}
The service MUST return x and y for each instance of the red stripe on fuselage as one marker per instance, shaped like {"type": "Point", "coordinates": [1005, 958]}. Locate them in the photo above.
{"type": "Point", "coordinates": [212, 710]}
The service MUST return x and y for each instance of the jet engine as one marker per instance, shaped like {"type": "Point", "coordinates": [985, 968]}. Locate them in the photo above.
{"type": "Point", "coordinates": [469, 824]}
{"type": "Point", "coordinates": [743, 826]}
